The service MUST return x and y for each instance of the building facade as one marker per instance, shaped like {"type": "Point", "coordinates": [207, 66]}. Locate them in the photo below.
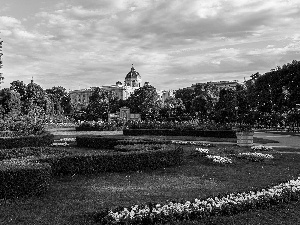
{"type": "Point", "coordinates": [133, 81]}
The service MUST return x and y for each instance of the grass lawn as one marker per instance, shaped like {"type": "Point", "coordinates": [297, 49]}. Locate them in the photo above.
{"type": "Point", "coordinates": [71, 198]}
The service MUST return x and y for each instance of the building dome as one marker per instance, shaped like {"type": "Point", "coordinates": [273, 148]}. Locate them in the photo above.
{"type": "Point", "coordinates": [133, 74]}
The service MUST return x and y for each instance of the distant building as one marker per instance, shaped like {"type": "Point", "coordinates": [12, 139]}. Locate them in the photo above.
{"type": "Point", "coordinates": [133, 81]}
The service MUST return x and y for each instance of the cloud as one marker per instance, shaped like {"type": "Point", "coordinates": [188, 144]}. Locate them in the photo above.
{"type": "Point", "coordinates": [94, 42]}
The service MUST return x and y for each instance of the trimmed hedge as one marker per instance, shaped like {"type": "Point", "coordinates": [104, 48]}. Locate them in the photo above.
{"type": "Point", "coordinates": [97, 142]}
{"type": "Point", "coordinates": [45, 139]}
{"type": "Point", "coordinates": [170, 132]}
{"type": "Point", "coordinates": [22, 177]}
{"type": "Point", "coordinates": [115, 161]}
{"type": "Point", "coordinates": [109, 142]}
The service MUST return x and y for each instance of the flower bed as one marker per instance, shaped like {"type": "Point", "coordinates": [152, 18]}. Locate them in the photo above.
{"type": "Point", "coordinates": [261, 148]}
{"type": "Point", "coordinates": [219, 159]}
{"type": "Point", "coordinates": [100, 126]}
{"type": "Point", "coordinates": [198, 209]}
{"type": "Point", "coordinates": [139, 147]}
{"type": "Point", "coordinates": [202, 144]}
{"type": "Point", "coordinates": [254, 156]}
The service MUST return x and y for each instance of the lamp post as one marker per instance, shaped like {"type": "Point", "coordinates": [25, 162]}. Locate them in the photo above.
{"type": "Point", "coordinates": [236, 114]}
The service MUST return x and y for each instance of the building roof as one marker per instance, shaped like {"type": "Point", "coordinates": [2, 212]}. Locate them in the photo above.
{"type": "Point", "coordinates": [133, 74]}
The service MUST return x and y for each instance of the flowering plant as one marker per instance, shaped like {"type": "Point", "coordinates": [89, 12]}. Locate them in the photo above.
{"type": "Point", "coordinates": [202, 144]}
{"type": "Point", "coordinates": [261, 148]}
{"type": "Point", "coordinates": [255, 156]}
{"type": "Point", "coordinates": [219, 159]}
{"type": "Point", "coordinates": [202, 151]}
{"type": "Point", "coordinates": [60, 144]}
{"type": "Point", "coordinates": [197, 209]}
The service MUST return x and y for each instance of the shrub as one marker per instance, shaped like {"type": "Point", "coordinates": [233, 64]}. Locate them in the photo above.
{"type": "Point", "coordinates": [44, 139]}
{"type": "Point", "coordinates": [166, 132]}
{"type": "Point", "coordinates": [21, 126]}
{"type": "Point", "coordinates": [21, 177]}
{"type": "Point", "coordinates": [139, 147]}
{"type": "Point", "coordinates": [97, 142]}
{"type": "Point", "coordinates": [30, 152]}
{"type": "Point", "coordinates": [115, 161]}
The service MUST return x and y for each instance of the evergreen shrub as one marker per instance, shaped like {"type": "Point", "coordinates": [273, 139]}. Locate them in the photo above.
{"type": "Point", "coordinates": [171, 132]}
{"type": "Point", "coordinates": [21, 177]}
{"type": "Point", "coordinates": [45, 139]}
{"type": "Point", "coordinates": [115, 161]}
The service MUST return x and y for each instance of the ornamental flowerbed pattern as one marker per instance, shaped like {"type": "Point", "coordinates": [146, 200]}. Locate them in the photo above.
{"type": "Point", "coordinates": [255, 156]}
{"type": "Point", "coordinates": [261, 148]}
{"type": "Point", "coordinates": [219, 159]}
{"type": "Point", "coordinates": [197, 209]}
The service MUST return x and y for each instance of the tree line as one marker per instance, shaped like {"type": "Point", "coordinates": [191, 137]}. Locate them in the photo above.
{"type": "Point", "coordinates": [270, 99]}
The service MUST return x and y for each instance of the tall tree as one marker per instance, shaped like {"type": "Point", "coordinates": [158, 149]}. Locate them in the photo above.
{"type": "Point", "coordinates": [172, 108]}
{"type": "Point", "coordinates": [101, 103]}
{"type": "Point", "coordinates": [187, 96]}
{"type": "Point", "coordinates": [19, 87]}
{"type": "Point", "coordinates": [1, 76]}
{"type": "Point", "coordinates": [225, 107]}
{"type": "Point", "coordinates": [145, 101]}
{"type": "Point", "coordinates": [58, 96]}
{"type": "Point", "coordinates": [10, 102]}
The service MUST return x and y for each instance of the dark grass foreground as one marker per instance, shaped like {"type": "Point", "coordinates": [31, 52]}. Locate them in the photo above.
{"type": "Point", "coordinates": [71, 199]}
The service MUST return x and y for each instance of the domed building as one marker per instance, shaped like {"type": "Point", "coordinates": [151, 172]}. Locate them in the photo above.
{"type": "Point", "coordinates": [132, 82]}
{"type": "Point", "coordinates": [133, 78]}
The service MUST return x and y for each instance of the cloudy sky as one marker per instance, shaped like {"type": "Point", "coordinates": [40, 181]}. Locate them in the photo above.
{"type": "Point", "coordinates": [172, 43]}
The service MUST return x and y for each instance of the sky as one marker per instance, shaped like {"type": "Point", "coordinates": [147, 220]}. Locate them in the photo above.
{"type": "Point", "coordinates": [172, 43]}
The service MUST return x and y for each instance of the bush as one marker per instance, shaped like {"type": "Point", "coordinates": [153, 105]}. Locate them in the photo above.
{"type": "Point", "coordinates": [22, 177]}
{"type": "Point", "coordinates": [97, 142]}
{"type": "Point", "coordinates": [139, 147]}
{"type": "Point", "coordinates": [45, 139]}
{"type": "Point", "coordinates": [100, 126]}
{"type": "Point", "coordinates": [30, 152]}
{"type": "Point", "coordinates": [21, 126]}
{"type": "Point", "coordinates": [172, 132]}
{"type": "Point", "coordinates": [144, 141]}
{"type": "Point", "coordinates": [115, 161]}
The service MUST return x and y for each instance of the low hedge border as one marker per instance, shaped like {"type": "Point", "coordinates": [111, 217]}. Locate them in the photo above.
{"type": "Point", "coordinates": [97, 142]}
{"type": "Point", "coordinates": [45, 139]}
{"type": "Point", "coordinates": [169, 132]}
{"type": "Point", "coordinates": [101, 142]}
{"type": "Point", "coordinates": [115, 161]}
{"type": "Point", "coordinates": [19, 177]}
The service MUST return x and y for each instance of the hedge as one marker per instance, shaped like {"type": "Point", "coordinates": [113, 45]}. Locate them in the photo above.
{"type": "Point", "coordinates": [115, 161]}
{"type": "Point", "coordinates": [21, 177]}
{"type": "Point", "coordinates": [98, 142]}
{"type": "Point", "coordinates": [45, 139]}
{"type": "Point", "coordinates": [170, 132]}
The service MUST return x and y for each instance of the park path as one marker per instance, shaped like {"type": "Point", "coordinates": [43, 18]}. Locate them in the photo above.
{"type": "Point", "coordinates": [288, 141]}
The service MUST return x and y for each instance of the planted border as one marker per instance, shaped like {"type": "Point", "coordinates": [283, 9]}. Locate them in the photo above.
{"type": "Point", "coordinates": [172, 132]}
{"type": "Point", "coordinates": [45, 139]}
{"type": "Point", "coordinates": [115, 161]}
{"type": "Point", "coordinates": [20, 177]}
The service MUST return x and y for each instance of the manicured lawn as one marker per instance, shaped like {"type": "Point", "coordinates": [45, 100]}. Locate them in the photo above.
{"type": "Point", "coordinates": [71, 198]}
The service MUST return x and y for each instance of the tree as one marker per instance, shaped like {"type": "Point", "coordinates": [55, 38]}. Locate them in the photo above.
{"type": "Point", "coordinates": [60, 99]}
{"type": "Point", "coordinates": [10, 102]}
{"type": "Point", "coordinates": [187, 96]}
{"type": "Point", "coordinates": [145, 101]}
{"type": "Point", "coordinates": [172, 108]}
{"type": "Point", "coordinates": [101, 103]}
{"type": "Point", "coordinates": [225, 107]}
{"type": "Point", "coordinates": [19, 87]}
{"type": "Point", "coordinates": [34, 96]}
{"type": "Point", "coordinates": [1, 77]}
